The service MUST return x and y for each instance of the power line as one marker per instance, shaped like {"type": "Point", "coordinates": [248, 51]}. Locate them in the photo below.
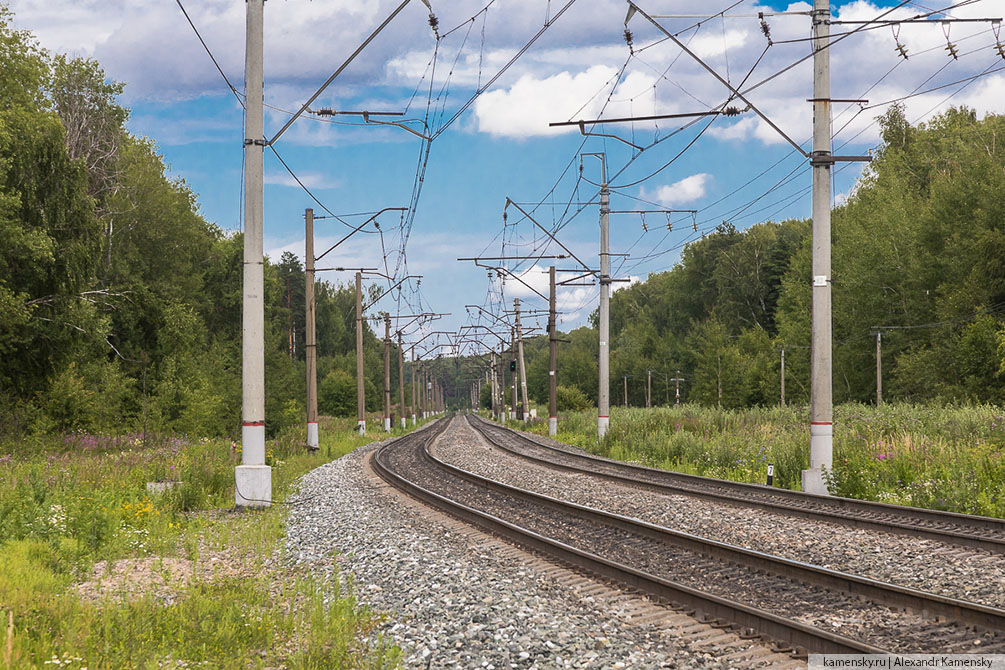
{"type": "Point", "coordinates": [210, 54]}
{"type": "Point", "coordinates": [463, 108]}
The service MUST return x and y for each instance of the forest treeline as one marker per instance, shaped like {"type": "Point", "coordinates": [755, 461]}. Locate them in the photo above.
{"type": "Point", "coordinates": [120, 305]}
{"type": "Point", "coordinates": [918, 254]}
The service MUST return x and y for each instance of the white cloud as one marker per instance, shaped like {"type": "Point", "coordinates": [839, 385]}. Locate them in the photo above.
{"type": "Point", "coordinates": [718, 44]}
{"type": "Point", "coordinates": [312, 180]}
{"type": "Point", "coordinates": [632, 279]}
{"type": "Point", "coordinates": [574, 303]}
{"type": "Point", "coordinates": [682, 192]}
{"type": "Point", "coordinates": [150, 46]}
{"type": "Point", "coordinates": [526, 108]}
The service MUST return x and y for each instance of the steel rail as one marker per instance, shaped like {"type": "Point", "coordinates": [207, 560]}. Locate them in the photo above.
{"type": "Point", "coordinates": [739, 614]}
{"type": "Point", "coordinates": [985, 533]}
{"type": "Point", "coordinates": [877, 591]}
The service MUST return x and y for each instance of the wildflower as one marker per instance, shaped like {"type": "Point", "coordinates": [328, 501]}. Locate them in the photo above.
{"type": "Point", "coordinates": [57, 518]}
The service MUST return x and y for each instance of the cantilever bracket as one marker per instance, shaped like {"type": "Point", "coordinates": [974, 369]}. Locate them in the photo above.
{"type": "Point", "coordinates": [399, 124]}
{"type": "Point", "coordinates": [582, 129]}
{"type": "Point", "coordinates": [823, 158]}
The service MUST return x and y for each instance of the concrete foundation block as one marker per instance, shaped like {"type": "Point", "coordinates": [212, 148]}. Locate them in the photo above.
{"type": "Point", "coordinates": [254, 486]}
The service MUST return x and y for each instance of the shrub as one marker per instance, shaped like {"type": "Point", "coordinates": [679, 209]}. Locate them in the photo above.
{"type": "Point", "coordinates": [571, 399]}
{"type": "Point", "coordinates": [337, 394]}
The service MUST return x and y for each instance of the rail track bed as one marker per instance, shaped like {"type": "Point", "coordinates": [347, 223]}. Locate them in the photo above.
{"type": "Point", "coordinates": [800, 604]}
{"type": "Point", "coordinates": [984, 533]}
{"type": "Point", "coordinates": [454, 596]}
{"type": "Point", "coordinates": [964, 573]}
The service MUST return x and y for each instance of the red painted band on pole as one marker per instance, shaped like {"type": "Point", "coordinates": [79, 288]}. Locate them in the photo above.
{"type": "Point", "coordinates": [821, 423]}
{"type": "Point", "coordinates": [603, 416]}
{"type": "Point", "coordinates": [253, 423]}
{"type": "Point", "coordinates": [312, 423]}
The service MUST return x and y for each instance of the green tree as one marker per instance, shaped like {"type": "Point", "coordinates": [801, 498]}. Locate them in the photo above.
{"type": "Point", "coordinates": [718, 377]}
{"type": "Point", "coordinates": [337, 394]}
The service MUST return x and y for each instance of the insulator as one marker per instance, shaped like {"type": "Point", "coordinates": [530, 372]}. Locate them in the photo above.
{"type": "Point", "coordinates": [731, 111]}
{"type": "Point", "coordinates": [645, 228]}
{"type": "Point", "coordinates": [1000, 48]}
{"type": "Point", "coordinates": [434, 22]}
{"type": "Point", "coordinates": [950, 47]}
{"type": "Point", "coordinates": [325, 111]}
{"type": "Point", "coordinates": [628, 37]}
{"type": "Point", "coordinates": [902, 50]}
{"type": "Point", "coordinates": [765, 28]}
{"type": "Point", "coordinates": [669, 227]}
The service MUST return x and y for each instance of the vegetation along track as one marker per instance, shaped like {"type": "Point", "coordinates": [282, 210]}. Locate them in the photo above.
{"type": "Point", "coordinates": [803, 605]}
{"type": "Point", "coordinates": [961, 529]}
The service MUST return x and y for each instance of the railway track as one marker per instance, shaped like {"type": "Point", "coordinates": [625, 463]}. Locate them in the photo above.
{"type": "Point", "coordinates": [801, 605]}
{"type": "Point", "coordinates": [976, 532]}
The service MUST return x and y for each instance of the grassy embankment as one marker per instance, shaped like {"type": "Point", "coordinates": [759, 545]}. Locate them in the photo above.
{"type": "Point", "coordinates": [942, 457]}
{"type": "Point", "coordinates": [97, 573]}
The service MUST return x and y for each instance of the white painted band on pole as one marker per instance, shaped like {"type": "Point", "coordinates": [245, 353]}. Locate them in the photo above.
{"type": "Point", "coordinates": [361, 427]}
{"type": "Point", "coordinates": [603, 422]}
{"type": "Point", "coordinates": [253, 443]}
{"type": "Point", "coordinates": [312, 434]}
{"type": "Point", "coordinates": [821, 458]}
{"type": "Point", "coordinates": [253, 478]}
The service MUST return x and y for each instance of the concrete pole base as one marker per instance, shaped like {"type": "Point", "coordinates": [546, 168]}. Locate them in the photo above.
{"type": "Point", "coordinates": [552, 426]}
{"type": "Point", "coordinates": [361, 427]}
{"type": "Point", "coordinates": [813, 482]}
{"type": "Point", "coordinates": [312, 434]}
{"type": "Point", "coordinates": [821, 457]}
{"type": "Point", "coordinates": [253, 486]}
{"type": "Point", "coordinates": [603, 423]}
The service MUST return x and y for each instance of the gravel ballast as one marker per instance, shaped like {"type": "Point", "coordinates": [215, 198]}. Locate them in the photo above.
{"type": "Point", "coordinates": [453, 601]}
{"type": "Point", "coordinates": [916, 563]}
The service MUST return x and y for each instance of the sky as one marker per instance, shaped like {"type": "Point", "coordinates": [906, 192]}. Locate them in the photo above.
{"type": "Point", "coordinates": [485, 98]}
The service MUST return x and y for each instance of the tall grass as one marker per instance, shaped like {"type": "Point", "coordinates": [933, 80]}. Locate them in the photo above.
{"type": "Point", "coordinates": [66, 503]}
{"type": "Point", "coordinates": [940, 457]}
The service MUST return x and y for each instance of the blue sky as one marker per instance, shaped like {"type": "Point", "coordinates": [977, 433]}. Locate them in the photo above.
{"type": "Point", "coordinates": [738, 170]}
